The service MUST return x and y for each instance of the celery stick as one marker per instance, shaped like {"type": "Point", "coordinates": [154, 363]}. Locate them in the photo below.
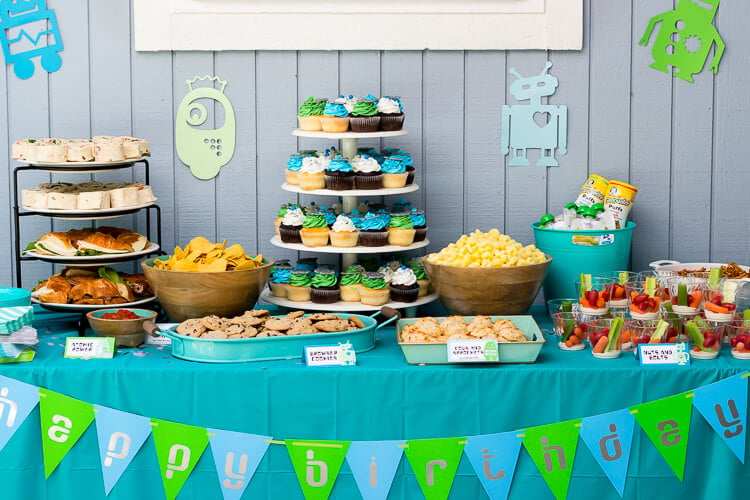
{"type": "Point", "coordinates": [585, 280]}
{"type": "Point", "coordinates": [746, 318]}
{"type": "Point", "coordinates": [650, 287]}
{"type": "Point", "coordinates": [682, 295]}
{"type": "Point", "coordinates": [661, 329]}
{"type": "Point", "coordinates": [614, 334]}
{"type": "Point", "coordinates": [695, 335]}
{"type": "Point", "coordinates": [714, 277]}
{"type": "Point", "coordinates": [623, 277]}
{"type": "Point", "coordinates": [672, 317]}
{"type": "Point", "coordinates": [566, 306]}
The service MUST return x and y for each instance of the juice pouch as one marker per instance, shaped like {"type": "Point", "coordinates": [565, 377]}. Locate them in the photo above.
{"type": "Point", "coordinates": [593, 191]}
{"type": "Point", "coordinates": [619, 201]}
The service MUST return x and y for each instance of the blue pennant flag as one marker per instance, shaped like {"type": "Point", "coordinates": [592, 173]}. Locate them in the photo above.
{"type": "Point", "coordinates": [494, 458]}
{"type": "Point", "coordinates": [120, 435]}
{"type": "Point", "coordinates": [17, 399]}
{"type": "Point", "coordinates": [609, 436]}
{"type": "Point", "coordinates": [374, 464]}
{"type": "Point", "coordinates": [236, 456]}
{"type": "Point", "coordinates": [724, 405]}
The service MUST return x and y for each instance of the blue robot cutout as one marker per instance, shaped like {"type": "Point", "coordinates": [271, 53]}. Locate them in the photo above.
{"type": "Point", "coordinates": [685, 38]}
{"type": "Point", "coordinates": [520, 129]}
{"type": "Point", "coordinates": [29, 30]}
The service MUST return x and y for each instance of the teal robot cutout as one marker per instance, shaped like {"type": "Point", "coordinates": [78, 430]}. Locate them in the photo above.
{"type": "Point", "coordinates": [29, 30]}
{"type": "Point", "coordinates": [685, 38]}
{"type": "Point", "coordinates": [534, 125]}
{"type": "Point", "coordinates": [204, 151]}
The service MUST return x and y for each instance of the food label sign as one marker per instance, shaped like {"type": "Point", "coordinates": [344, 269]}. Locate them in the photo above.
{"type": "Point", "coordinates": [330, 355]}
{"type": "Point", "coordinates": [89, 348]}
{"type": "Point", "coordinates": [664, 354]}
{"type": "Point", "coordinates": [472, 351]}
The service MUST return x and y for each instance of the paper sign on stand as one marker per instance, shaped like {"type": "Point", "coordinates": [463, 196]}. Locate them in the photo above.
{"type": "Point", "coordinates": [472, 351]}
{"type": "Point", "coordinates": [89, 347]}
{"type": "Point", "coordinates": [664, 354]}
{"type": "Point", "coordinates": [330, 355]}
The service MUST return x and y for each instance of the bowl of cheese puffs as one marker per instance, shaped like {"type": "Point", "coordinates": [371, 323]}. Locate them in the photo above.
{"type": "Point", "coordinates": [487, 273]}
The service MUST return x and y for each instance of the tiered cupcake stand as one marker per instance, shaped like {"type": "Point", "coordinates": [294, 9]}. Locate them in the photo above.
{"type": "Point", "coordinates": [349, 255]}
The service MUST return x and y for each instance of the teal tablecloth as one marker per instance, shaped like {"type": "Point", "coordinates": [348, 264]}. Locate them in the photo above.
{"type": "Point", "coordinates": [381, 398]}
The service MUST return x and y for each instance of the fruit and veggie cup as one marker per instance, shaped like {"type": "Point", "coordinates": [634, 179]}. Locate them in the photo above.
{"type": "Point", "coordinates": [619, 297]}
{"type": "Point", "coordinates": [562, 305]}
{"type": "Point", "coordinates": [569, 331]}
{"type": "Point", "coordinates": [650, 331]}
{"type": "Point", "coordinates": [719, 299]}
{"type": "Point", "coordinates": [605, 336]}
{"type": "Point", "coordinates": [686, 295]}
{"type": "Point", "coordinates": [594, 294]}
{"type": "Point", "coordinates": [738, 333]}
{"type": "Point", "coordinates": [644, 298]}
{"type": "Point", "coordinates": [706, 338]}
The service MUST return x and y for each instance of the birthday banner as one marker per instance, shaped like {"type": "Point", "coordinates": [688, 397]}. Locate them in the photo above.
{"type": "Point", "coordinates": [434, 462]}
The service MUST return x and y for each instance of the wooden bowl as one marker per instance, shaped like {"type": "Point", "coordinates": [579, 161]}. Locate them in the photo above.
{"type": "Point", "coordinates": [185, 295]}
{"type": "Point", "coordinates": [496, 291]}
{"type": "Point", "coordinates": [127, 332]}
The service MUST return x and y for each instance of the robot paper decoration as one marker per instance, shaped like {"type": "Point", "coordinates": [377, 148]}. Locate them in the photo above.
{"type": "Point", "coordinates": [29, 30]}
{"type": "Point", "coordinates": [685, 38]}
{"type": "Point", "coordinates": [204, 151]}
{"type": "Point", "coordinates": [521, 128]}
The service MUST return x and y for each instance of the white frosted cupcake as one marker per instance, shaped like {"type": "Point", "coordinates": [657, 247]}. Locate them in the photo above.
{"type": "Point", "coordinates": [343, 232]}
{"type": "Point", "coordinates": [311, 175]}
{"type": "Point", "coordinates": [368, 173]}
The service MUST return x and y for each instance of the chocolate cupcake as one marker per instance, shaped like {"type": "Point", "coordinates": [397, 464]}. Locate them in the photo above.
{"type": "Point", "coordinates": [291, 223]}
{"type": "Point", "coordinates": [419, 222]}
{"type": "Point", "coordinates": [368, 174]}
{"type": "Point", "coordinates": [373, 232]}
{"type": "Point", "coordinates": [364, 116]}
{"type": "Point", "coordinates": [324, 288]}
{"type": "Point", "coordinates": [391, 113]}
{"type": "Point", "coordinates": [404, 286]}
{"type": "Point", "coordinates": [339, 175]}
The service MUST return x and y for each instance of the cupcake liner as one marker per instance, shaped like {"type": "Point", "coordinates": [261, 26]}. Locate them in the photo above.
{"type": "Point", "coordinates": [364, 123]}
{"type": "Point", "coordinates": [373, 238]}
{"type": "Point", "coordinates": [394, 180]}
{"type": "Point", "coordinates": [350, 293]}
{"type": "Point", "coordinates": [424, 287]}
{"type": "Point", "coordinates": [420, 235]}
{"type": "Point", "coordinates": [298, 293]}
{"type": "Point", "coordinates": [401, 237]}
{"type": "Point", "coordinates": [339, 182]}
{"type": "Point", "coordinates": [373, 297]}
{"type": "Point", "coordinates": [391, 122]}
{"type": "Point", "coordinates": [324, 295]}
{"type": "Point", "coordinates": [309, 123]}
{"type": "Point", "coordinates": [291, 177]}
{"type": "Point", "coordinates": [410, 171]}
{"type": "Point", "coordinates": [289, 235]}
{"type": "Point", "coordinates": [363, 181]}
{"type": "Point", "coordinates": [314, 238]}
{"type": "Point", "coordinates": [345, 239]}
{"type": "Point", "coordinates": [308, 182]}
{"type": "Point", "coordinates": [278, 289]}
{"type": "Point", "coordinates": [404, 294]}
{"type": "Point", "coordinates": [334, 124]}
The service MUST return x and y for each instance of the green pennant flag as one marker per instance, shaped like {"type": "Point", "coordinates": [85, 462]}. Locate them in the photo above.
{"type": "Point", "coordinates": [553, 449]}
{"type": "Point", "coordinates": [64, 420]}
{"type": "Point", "coordinates": [178, 449]}
{"type": "Point", "coordinates": [435, 462]}
{"type": "Point", "coordinates": [317, 464]}
{"type": "Point", "coordinates": [666, 422]}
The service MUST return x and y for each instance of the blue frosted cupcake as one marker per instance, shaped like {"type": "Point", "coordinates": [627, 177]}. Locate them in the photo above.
{"type": "Point", "coordinates": [339, 175]}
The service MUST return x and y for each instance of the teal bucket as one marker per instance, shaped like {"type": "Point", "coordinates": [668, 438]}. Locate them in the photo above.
{"type": "Point", "coordinates": [569, 259]}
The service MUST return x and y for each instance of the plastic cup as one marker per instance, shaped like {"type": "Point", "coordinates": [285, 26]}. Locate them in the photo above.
{"type": "Point", "coordinates": [566, 327]}
{"type": "Point", "coordinates": [693, 288]}
{"type": "Point", "coordinates": [601, 289]}
{"type": "Point", "coordinates": [709, 341]}
{"type": "Point", "coordinates": [643, 302]}
{"type": "Point", "coordinates": [641, 331]}
{"type": "Point", "coordinates": [719, 301]}
{"type": "Point", "coordinates": [599, 329]}
{"type": "Point", "coordinates": [738, 333]}
{"type": "Point", "coordinates": [619, 298]}
{"type": "Point", "coordinates": [555, 305]}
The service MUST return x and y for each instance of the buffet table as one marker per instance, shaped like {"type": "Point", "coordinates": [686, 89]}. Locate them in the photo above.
{"type": "Point", "coordinates": [381, 398]}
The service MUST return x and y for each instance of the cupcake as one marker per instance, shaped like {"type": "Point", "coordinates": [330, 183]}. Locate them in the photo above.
{"type": "Point", "coordinates": [404, 286]}
{"type": "Point", "coordinates": [324, 289]}
{"type": "Point", "coordinates": [373, 232]}
{"type": "Point", "coordinates": [280, 216]}
{"type": "Point", "coordinates": [401, 231]}
{"type": "Point", "coordinates": [364, 116]}
{"type": "Point", "coordinates": [339, 176]}
{"type": "Point", "coordinates": [391, 113]}
{"type": "Point", "coordinates": [394, 173]}
{"type": "Point", "coordinates": [344, 233]}
{"type": "Point", "coordinates": [368, 174]}
{"type": "Point", "coordinates": [374, 291]}
{"type": "Point", "coordinates": [314, 232]}
{"type": "Point", "coordinates": [309, 114]}
{"type": "Point", "coordinates": [290, 226]}
{"type": "Point", "coordinates": [408, 163]}
{"type": "Point", "coordinates": [298, 288]}
{"type": "Point", "coordinates": [293, 166]}
{"type": "Point", "coordinates": [402, 205]}
{"type": "Point", "coordinates": [350, 285]}
{"type": "Point", "coordinates": [311, 174]}
{"type": "Point", "coordinates": [329, 214]}
{"type": "Point", "coordinates": [279, 280]}
{"type": "Point", "coordinates": [356, 217]}
{"type": "Point", "coordinates": [422, 280]}
{"type": "Point", "coordinates": [335, 117]}
{"type": "Point", "coordinates": [419, 222]}
{"type": "Point", "coordinates": [308, 263]}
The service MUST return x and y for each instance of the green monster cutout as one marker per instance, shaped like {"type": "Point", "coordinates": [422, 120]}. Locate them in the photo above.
{"type": "Point", "coordinates": [685, 38]}
{"type": "Point", "coordinates": [204, 151]}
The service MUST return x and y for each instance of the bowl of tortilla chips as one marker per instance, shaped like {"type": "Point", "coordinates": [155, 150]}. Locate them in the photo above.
{"type": "Point", "coordinates": [207, 278]}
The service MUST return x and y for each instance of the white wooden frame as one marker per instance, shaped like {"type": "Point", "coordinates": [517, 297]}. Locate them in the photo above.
{"type": "Point", "coordinates": [358, 24]}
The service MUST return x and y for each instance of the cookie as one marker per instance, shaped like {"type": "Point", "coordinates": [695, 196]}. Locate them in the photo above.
{"type": "Point", "coordinates": [234, 330]}
{"type": "Point", "coordinates": [295, 314]}
{"type": "Point", "coordinates": [247, 320]}
{"type": "Point", "coordinates": [356, 321]}
{"type": "Point", "coordinates": [191, 327]}
{"type": "Point", "coordinates": [322, 316]}
{"type": "Point", "coordinates": [264, 333]}
{"type": "Point", "coordinates": [257, 313]}
{"type": "Point", "coordinates": [278, 324]}
{"type": "Point", "coordinates": [332, 325]}
{"type": "Point", "coordinates": [249, 332]}
{"type": "Point", "coordinates": [214, 322]}
{"type": "Point", "coordinates": [215, 334]}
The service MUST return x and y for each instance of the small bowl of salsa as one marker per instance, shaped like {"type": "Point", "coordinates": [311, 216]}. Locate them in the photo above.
{"type": "Point", "coordinates": [124, 324]}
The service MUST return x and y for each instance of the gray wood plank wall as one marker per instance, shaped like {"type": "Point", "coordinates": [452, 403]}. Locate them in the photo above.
{"type": "Point", "coordinates": [684, 145]}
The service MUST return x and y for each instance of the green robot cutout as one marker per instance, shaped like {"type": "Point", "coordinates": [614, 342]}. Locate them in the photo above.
{"type": "Point", "coordinates": [685, 38]}
{"type": "Point", "coordinates": [204, 151]}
